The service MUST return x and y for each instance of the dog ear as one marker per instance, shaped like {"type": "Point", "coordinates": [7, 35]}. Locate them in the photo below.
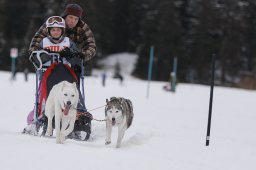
{"type": "Point", "coordinates": [107, 101]}
{"type": "Point", "coordinates": [121, 100]}
{"type": "Point", "coordinates": [74, 84]}
{"type": "Point", "coordinates": [63, 85]}
{"type": "Point", "coordinates": [112, 98]}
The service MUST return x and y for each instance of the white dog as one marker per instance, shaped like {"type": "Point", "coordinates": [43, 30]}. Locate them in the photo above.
{"type": "Point", "coordinates": [61, 103]}
{"type": "Point", "coordinates": [118, 112]}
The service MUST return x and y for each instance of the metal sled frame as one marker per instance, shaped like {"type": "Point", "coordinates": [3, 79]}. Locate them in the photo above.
{"type": "Point", "coordinates": [39, 73]}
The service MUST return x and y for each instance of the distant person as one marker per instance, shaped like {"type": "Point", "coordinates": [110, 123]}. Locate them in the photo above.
{"type": "Point", "coordinates": [26, 71]}
{"type": "Point", "coordinates": [121, 78]}
{"type": "Point", "coordinates": [118, 75]}
{"type": "Point", "coordinates": [14, 75]}
{"type": "Point", "coordinates": [104, 76]}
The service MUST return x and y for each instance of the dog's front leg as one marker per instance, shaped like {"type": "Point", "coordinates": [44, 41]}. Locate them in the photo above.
{"type": "Point", "coordinates": [121, 130]}
{"type": "Point", "coordinates": [108, 132]}
{"type": "Point", "coordinates": [57, 124]}
{"type": "Point", "coordinates": [64, 125]}
{"type": "Point", "coordinates": [49, 112]}
{"type": "Point", "coordinates": [70, 128]}
{"type": "Point", "coordinates": [49, 126]}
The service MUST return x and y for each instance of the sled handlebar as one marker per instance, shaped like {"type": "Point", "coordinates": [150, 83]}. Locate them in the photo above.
{"type": "Point", "coordinates": [41, 56]}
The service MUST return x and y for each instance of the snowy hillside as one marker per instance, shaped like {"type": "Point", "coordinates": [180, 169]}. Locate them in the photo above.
{"type": "Point", "coordinates": [168, 132]}
{"type": "Point", "coordinates": [126, 61]}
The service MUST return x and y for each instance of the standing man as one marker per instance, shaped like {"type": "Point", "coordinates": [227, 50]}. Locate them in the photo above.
{"type": "Point", "coordinates": [76, 29]}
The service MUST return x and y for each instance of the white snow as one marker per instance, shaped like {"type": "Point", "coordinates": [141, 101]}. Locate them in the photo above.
{"type": "Point", "coordinates": [168, 132]}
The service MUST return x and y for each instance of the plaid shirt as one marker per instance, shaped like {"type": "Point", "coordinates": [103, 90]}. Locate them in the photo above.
{"type": "Point", "coordinates": [81, 35]}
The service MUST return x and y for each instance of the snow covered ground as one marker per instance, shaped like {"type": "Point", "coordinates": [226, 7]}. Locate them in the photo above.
{"type": "Point", "coordinates": [168, 132]}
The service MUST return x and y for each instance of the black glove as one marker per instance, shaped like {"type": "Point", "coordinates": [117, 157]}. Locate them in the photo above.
{"type": "Point", "coordinates": [66, 53]}
{"type": "Point", "coordinates": [44, 57]}
{"type": "Point", "coordinates": [73, 57]}
{"type": "Point", "coordinates": [77, 55]}
{"type": "Point", "coordinates": [75, 61]}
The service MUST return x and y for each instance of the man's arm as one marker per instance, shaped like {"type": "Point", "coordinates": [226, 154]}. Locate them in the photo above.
{"type": "Point", "coordinates": [38, 37]}
{"type": "Point", "coordinates": [88, 48]}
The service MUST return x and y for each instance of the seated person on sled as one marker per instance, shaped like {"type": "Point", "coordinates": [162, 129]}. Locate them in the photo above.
{"type": "Point", "coordinates": [76, 29]}
{"type": "Point", "coordinates": [56, 68]}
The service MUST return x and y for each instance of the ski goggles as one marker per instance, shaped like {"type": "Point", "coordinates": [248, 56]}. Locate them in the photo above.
{"type": "Point", "coordinates": [57, 20]}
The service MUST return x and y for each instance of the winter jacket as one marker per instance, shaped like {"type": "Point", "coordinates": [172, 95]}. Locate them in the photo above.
{"type": "Point", "coordinates": [49, 45]}
{"type": "Point", "coordinates": [81, 35]}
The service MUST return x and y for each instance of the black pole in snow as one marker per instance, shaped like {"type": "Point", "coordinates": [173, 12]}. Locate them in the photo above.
{"type": "Point", "coordinates": [210, 104]}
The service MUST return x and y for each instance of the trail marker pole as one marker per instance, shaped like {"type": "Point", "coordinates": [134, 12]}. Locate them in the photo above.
{"type": "Point", "coordinates": [210, 104]}
{"type": "Point", "coordinates": [82, 80]}
{"type": "Point", "coordinates": [38, 75]}
{"type": "Point", "coordinates": [150, 65]}
{"type": "Point", "coordinates": [174, 74]}
{"type": "Point", "coordinates": [13, 55]}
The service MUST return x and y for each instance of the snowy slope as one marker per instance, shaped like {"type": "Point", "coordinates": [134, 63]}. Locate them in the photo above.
{"type": "Point", "coordinates": [126, 62]}
{"type": "Point", "coordinates": [168, 132]}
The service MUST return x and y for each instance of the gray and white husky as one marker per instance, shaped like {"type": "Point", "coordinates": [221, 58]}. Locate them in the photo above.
{"type": "Point", "coordinates": [118, 112]}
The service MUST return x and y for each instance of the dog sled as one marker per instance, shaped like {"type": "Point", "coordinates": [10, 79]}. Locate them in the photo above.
{"type": "Point", "coordinates": [51, 69]}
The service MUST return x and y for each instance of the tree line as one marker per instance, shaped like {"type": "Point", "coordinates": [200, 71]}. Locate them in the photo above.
{"type": "Point", "coordinates": [191, 30]}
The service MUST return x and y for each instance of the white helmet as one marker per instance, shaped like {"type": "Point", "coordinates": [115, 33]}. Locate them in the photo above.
{"type": "Point", "coordinates": [55, 21]}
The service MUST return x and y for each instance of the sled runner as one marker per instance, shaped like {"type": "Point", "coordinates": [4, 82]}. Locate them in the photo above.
{"type": "Point", "coordinates": [51, 69]}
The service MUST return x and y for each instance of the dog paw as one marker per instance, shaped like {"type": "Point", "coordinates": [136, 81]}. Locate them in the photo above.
{"type": "Point", "coordinates": [107, 142]}
{"type": "Point", "coordinates": [49, 132]}
{"type": "Point", "coordinates": [118, 144]}
{"type": "Point", "coordinates": [58, 140]}
{"type": "Point", "coordinates": [62, 138]}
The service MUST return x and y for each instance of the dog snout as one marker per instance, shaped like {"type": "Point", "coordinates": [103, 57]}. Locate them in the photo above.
{"type": "Point", "coordinates": [113, 121]}
{"type": "Point", "coordinates": [68, 102]}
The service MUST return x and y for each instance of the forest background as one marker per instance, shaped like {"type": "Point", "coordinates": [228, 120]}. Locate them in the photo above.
{"type": "Point", "coordinates": [191, 30]}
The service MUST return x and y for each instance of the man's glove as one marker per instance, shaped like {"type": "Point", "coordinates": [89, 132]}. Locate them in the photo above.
{"type": "Point", "coordinates": [75, 61]}
{"type": "Point", "coordinates": [77, 55]}
{"type": "Point", "coordinates": [66, 53]}
{"type": "Point", "coordinates": [73, 57]}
